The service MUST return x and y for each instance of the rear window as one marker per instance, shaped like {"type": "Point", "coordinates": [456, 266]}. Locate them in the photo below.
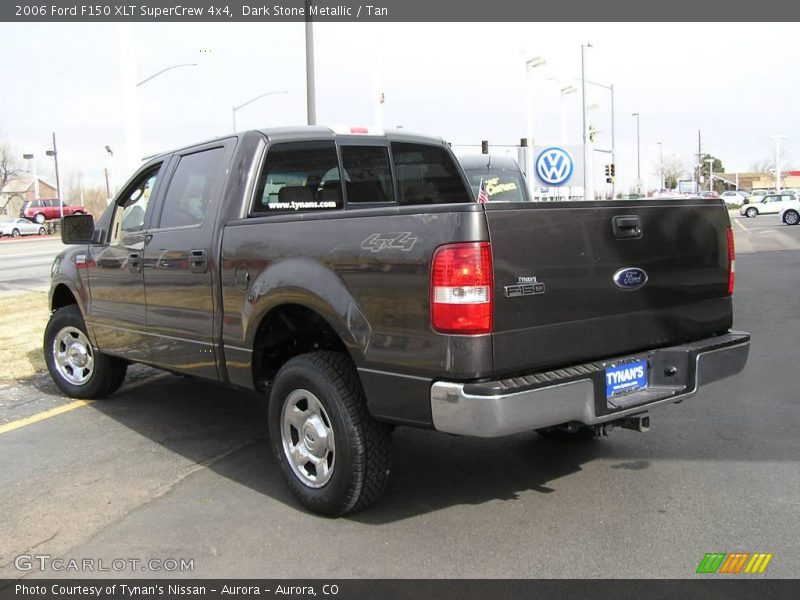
{"type": "Point", "coordinates": [367, 175]}
{"type": "Point", "coordinates": [299, 176]}
{"type": "Point", "coordinates": [504, 186]}
{"type": "Point", "coordinates": [427, 175]}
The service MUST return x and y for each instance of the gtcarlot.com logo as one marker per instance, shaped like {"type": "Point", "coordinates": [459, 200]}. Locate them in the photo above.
{"type": "Point", "coordinates": [734, 562]}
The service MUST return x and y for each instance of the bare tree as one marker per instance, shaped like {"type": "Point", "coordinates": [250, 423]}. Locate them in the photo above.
{"type": "Point", "coordinates": [9, 168]}
{"type": "Point", "coordinates": [675, 169]}
{"type": "Point", "coordinates": [767, 163]}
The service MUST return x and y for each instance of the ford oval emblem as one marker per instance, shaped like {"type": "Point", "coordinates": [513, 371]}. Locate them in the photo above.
{"type": "Point", "coordinates": [630, 278]}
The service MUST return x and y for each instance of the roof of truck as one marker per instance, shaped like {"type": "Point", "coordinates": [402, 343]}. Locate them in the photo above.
{"type": "Point", "coordinates": [474, 162]}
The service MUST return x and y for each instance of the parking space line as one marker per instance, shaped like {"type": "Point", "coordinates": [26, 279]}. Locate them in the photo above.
{"type": "Point", "coordinates": [742, 227]}
{"type": "Point", "coordinates": [5, 428]}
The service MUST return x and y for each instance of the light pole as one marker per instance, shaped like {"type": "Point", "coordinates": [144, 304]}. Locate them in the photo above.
{"type": "Point", "coordinates": [583, 119]}
{"type": "Point", "coordinates": [32, 169]}
{"type": "Point", "coordinates": [778, 139]}
{"type": "Point", "coordinates": [610, 88]}
{"type": "Point", "coordinates": [108, 187]}
{"type": "Point", "coordinates": [153, 76]}
{"type": "Point", "coordinates": [311, 102]}
{"type": "Point", "coordinates": [566, 90]}
{"type": "Point", "coordinates": [710, 162]}
{"type": "Point", "coordinates": [532, 63]}
{"type": "Point", "coordinates": [54, 154]}
{"type": "Point", "coordinates": [638, 156]}
{"type": "Point", "coordinates": [235, 108]}
{"type": "Point", "coordinates": [661, 164]}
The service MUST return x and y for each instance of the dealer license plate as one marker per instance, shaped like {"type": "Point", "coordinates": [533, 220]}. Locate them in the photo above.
{"type": "Point", "coordinates": [626, 378]}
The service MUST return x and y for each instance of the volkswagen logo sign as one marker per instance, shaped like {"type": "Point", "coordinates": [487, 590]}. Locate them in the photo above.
{"type": "Point", "coordinates": [630, 278]}
{"type": "Point", "coordinates": [554, 166]}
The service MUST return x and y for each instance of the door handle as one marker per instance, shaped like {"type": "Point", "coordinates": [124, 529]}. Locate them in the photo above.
{"type": "Point", "coordinates": [627, 227]}
{"type": "Point", "coordinates": [135, 262]}
{"type": "Point", "coordinates": [198, 261]}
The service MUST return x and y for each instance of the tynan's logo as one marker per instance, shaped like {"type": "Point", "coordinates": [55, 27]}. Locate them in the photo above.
{"type": "Point", "coordinates": [733, 562]}
{"type": "Point", "coordinates": [554, 166]}
{"type": "Point", "coordinates": [526, 286]}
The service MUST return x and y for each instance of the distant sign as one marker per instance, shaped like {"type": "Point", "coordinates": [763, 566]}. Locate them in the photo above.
{"type": "Point", "coordinates": [687, 187]}
{"type": "Point", "coordinates": [554, 166]}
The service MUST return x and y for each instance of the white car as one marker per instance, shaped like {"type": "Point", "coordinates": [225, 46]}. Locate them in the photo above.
{"type": "Point", "coordinates": [771, 204]}
{"type": "Point", "coordinates": [790, 215]}
{"type": "Point", "coordinates": [19, 227]}
{"type": "Point", "coordinates": [734, 197]}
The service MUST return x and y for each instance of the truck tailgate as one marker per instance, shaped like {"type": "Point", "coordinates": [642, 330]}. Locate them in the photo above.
{"type": "Point", "coordinates": [555, 298]}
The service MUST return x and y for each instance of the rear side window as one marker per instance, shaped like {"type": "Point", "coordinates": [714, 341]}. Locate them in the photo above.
{"type": "Point", "coordinates": [367, 175]}
{"type": "Point", "coordinates": [427, 175]}
{"type": "Point", "coordinates": [191, 190]}
{"type": "Point", "coordinates": [299, 176]}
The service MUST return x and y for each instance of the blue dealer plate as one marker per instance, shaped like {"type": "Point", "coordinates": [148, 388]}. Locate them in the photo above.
{"type": "Point", "coordinates": [626, 378]}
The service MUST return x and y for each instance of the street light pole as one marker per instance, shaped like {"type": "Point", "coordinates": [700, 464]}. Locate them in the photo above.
{"type": "Point", "coordinates": [569, 89]}
{"type": "Point", "coordinates": [32, 169]}
{"type": "Point", "coordinates": [311, 103]}
{"type": "Point", "coordinates": [54, 154]}
{"type": "Point", "coordinates": [661, 164]}
{"type": "Point", "coordinates": [638, 156]}
{"type": "Point", "coordinates": [143, 81]}
{"type": "Point", "coordinates": [583, 120]}
{"type": "Point", "coordinates": [710, 162]}
{"type": "Point", "coordinates": [778, 139]}
{"type": "Point", "coordinates": [235, 108]}
{"type": "Point", "coordinates": [530, 64]}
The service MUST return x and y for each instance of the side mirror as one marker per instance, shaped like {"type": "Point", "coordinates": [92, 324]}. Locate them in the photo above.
{"type": "Point", "coordinates": [77, 229]}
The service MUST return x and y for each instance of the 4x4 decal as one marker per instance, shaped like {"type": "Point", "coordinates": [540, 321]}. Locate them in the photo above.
{"type": "Point", "coordinates": [403, 241]}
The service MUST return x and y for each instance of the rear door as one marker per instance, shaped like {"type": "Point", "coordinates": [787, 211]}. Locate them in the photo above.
{"type": "Point", "coordinates": [178, 266]}
{"type": "Point", "coordinates": [581, 281]}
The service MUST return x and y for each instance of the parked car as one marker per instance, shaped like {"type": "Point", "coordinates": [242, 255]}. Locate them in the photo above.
{"type": "Point", "coordinates": [710, 194]}
{"type": "Point", "coordinates": [353, 279]}
{"type": "Point", "coordinates": [501, 176]}
{"type": "Point", "coordinates": [757, 195]}
{"type": "Point", "coordinates": [790, 214]}
{"type": "Point", "coordinates": [47, 210]}
{"type": "Point", "coordinates": [771, 204]}
{"type": "Point", "coordinates": [19, 227]}
{"type": "Point", "coordinates": [735, 197]}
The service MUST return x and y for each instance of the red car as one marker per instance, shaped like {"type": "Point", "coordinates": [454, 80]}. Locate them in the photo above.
{"type": "Point", "coordinates": [47, 210]}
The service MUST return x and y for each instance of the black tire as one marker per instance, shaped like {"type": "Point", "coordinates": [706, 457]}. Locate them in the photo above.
{"type": "Point", "coordinates": [751, 212]}
{"type": "Point", "coordinates": [39, 218]}
{"type": "Point", "coordinates": [791, 217]}
{"type": "Point", "coordinates": [15, 233]}
{"type": "Point", "coordinates": [581, 434]}
{"type": "Point", "coordinates": [360, 457]}
{"type": "Point", "coordinates": [107, 372]}
{"type": "Point", "coordinates": [42, 231]}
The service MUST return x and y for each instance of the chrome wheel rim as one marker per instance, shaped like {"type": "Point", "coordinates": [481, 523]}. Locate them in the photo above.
{"type": "Point", "coordinates": [307, 438]}
{"type": "Point", "coordinates": [791, 218]}
{"type": "Point", "coordinates": [73, 356]}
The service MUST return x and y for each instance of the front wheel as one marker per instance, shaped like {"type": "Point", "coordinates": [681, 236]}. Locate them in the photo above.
{"type": "Point", "coordinates": [75, 365]}
{"type": "Point", "coordinates": [39, 218]}
{"type": "Point", "coordinates": [751, 212]}
{"type": "Point", "coordinates": [791, 217]}
{"type": "Point", "coordinates": [42, 231]}
{"type": "Point", "coordinates": [333, 455]}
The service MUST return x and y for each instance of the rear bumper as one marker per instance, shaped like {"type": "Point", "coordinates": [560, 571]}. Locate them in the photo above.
{"type": "Point", "coordinates": [577, 394]}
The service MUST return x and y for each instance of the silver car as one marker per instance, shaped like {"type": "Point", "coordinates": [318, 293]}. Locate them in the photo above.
{"type": "Point", "coordinates": [19, 227]}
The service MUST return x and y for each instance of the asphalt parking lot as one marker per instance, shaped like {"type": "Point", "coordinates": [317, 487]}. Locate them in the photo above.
{"type": "Point", "coordinates": [175, 468]}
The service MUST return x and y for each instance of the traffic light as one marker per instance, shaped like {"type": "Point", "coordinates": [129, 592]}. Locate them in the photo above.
{"type": "Point", "coordinates": [592, 133]}
{"type": "Point", "coordinates": [608, 171]}
{"type": "Point", "coordinates": [613, 169]}
{"type": "Point", "coordinates": [484, 146]}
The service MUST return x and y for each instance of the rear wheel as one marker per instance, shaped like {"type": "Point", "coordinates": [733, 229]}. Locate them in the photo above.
{"type": "Point", "coordinates": [74, 364]}
{"type": "Point", "coordinates": [791, 217]}
{"type": "Point", "coordinates": [39, 218]}
{"type": "Point", "coordinates": [15, 233]}
{"type": "Point", "coordinates": [333, 455]}
{"type": "Point", "coordinates": [751, 212]}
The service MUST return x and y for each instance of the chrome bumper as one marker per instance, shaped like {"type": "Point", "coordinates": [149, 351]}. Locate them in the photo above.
{"type": "Point", "coordinates": [577, 394]}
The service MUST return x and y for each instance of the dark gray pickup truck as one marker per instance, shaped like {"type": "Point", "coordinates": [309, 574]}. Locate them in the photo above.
{"type": "Point", "coordinates": [355, 279]}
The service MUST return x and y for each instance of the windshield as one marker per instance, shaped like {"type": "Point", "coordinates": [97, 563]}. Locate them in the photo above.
{"type": "Point", "coordinates": [501, 186]}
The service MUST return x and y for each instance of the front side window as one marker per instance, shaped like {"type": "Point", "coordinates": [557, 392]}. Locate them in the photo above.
{"type": "Point", "coordinates": [136, 205]}
{"type": "Point", "coordinates": [368, 177]}
{"type": "Point", "coordinates": [299, 176]}
{"type": "Point", "coordinates": [427, 175]}
{"type": "Point", "coordinates": [192, 188]}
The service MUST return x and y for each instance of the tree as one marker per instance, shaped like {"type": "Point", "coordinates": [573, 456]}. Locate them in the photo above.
{"type": "Point", "coordinates": [675, 169]}
{"type": "Point", "coordinates": [9, 167]}
{"type": "Point", "coordinates": [704, 171]}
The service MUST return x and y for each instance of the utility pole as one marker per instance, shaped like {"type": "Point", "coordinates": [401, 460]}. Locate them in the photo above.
{"type": "Point", "coordinates": [638, 157]}
{"type": "Point", "coordinates": [778, 139]}
{"type": "Point", "coordinates": [54, 154]}
{"type": "Point", "coordinates": [311, 103]}
{"type": "Point", "coordinates": [586, 161]}
{"type": "Point", "coordinates": [699, 160]}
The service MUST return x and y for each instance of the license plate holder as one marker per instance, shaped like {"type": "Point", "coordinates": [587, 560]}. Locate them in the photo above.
{"type": "Point", "coordinates": [626, 378]}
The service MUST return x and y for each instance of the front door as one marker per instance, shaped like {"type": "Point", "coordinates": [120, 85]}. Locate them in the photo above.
{"type": "Point", "coordinates": [179, 263]}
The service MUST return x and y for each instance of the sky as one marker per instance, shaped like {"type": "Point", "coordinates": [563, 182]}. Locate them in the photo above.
{"type": "Point", "coordinates": [465, 82]}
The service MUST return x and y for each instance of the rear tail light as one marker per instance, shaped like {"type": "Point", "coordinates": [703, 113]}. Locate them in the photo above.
{"type": "Point", "coordinates": [461, 288]}
{"type": "Point", "coordinates": [731, 262]}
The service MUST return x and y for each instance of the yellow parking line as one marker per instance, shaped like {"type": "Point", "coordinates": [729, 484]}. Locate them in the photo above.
{"type": "Point", "coordinates": [43, 415]}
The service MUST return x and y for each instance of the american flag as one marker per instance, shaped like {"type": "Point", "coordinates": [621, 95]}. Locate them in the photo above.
{"type": "Point", "coordinates": [483, 197]}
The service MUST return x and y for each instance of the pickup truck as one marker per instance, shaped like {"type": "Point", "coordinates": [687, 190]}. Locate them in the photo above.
{"type": "Point", "coordinates": [354, 280]}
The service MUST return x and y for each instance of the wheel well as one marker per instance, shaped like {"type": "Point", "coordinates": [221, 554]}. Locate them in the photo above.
{"type": "Point", "coordinates": [62, 296]}
{"type": "Point", "coordinates": [287, 331]}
